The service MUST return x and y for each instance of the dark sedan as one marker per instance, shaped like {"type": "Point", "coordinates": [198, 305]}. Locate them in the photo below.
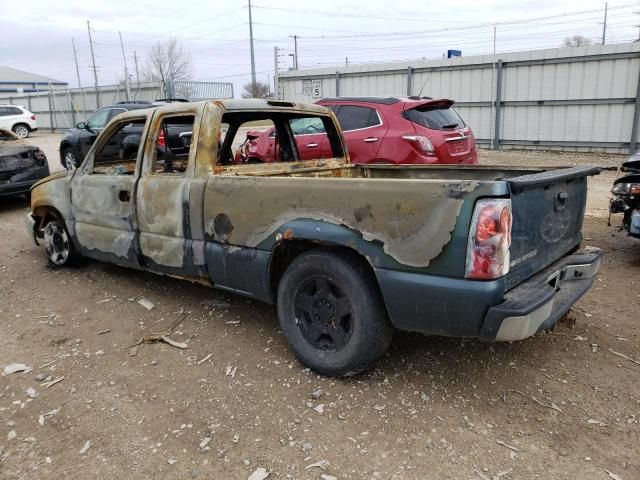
{"type": "Point", "coordinates": [21, 164]}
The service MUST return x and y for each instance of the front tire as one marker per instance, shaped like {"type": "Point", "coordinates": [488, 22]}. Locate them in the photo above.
{"type": "Point", "coordinates": [58, 244]}
{"type": "Point", "coordinates": [21, 130]}
{"type": "Point", "coordinates": [332, 314]}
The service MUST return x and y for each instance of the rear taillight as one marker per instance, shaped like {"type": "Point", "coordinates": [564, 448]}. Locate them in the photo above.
{"type": "Point", "coordinates": [161, 140]}
{"type": "Point", "coordinates": [489, 240]}
{"type": "Point", "coordinates": [422, 142]}
{"type": "Point", "coordinates": [33, 117]}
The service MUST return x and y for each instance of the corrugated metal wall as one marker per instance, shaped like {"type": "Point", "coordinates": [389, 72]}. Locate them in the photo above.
{"type": "Point", "coordinates": [585, 98]}
{"type": "Point", "coordinates": [63, 108]}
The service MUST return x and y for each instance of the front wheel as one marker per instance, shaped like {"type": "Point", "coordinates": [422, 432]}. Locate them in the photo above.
{"type": "Point", "coordinates": [331, 312]}
{"type": "Point", "coordinates": [57, 243]}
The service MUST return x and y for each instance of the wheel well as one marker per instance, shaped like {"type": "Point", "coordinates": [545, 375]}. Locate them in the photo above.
{"type": "Point", "coordinates": [44, 214]}
{"type": "Point", "coordinates": [21, 123]}
{"type": "Point", "coordinates": [287, 251]}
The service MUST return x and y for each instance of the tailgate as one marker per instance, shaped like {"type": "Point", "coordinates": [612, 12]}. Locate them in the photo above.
{"type": "Point", "coordinates": [548, 210]}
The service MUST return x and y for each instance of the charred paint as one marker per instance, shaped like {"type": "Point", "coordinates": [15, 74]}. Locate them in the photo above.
{"type": "Point", "coordinates": [222, 228]}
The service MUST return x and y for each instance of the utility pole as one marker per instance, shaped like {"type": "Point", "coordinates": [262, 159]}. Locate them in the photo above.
{"type": "Point", "coordinates": [253, 61]}
{"type": "Point", "coordinates": [346, 61]}
{"type": "Point", "coordinates": [93, 62]}
{"type": "Point", "coordinates": [276, 91]}
{"type": "Point", "coordinates": [604, 24]}
{"type": "Point", "coordinates": [126, 70]}
{"type": "Point", "coordinates": [493, 90]}
{"type": "Point", "coordinates": [295, 49]}
{"type": "Point", "coordinates": [75, 57]}
{"type": "Point", "coordinates": [135, 60]}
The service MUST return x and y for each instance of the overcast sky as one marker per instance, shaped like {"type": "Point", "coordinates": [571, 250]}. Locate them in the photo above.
{"type": "Point", "coordinates": [38, 38]}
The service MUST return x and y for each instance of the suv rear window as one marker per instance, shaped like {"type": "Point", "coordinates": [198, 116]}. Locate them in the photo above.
{"type": "Point", "coordinates": [353, 118]}
{"type": "Point", "coordinates": [436, 118]}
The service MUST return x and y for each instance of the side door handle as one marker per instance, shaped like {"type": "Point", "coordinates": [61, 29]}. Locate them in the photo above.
{"type": "Point", "coordinates": [370, 139]}
{"type": "Point", "coordinates": [124, 195]}
{"type": "Point", "coordinates": [312, 145]}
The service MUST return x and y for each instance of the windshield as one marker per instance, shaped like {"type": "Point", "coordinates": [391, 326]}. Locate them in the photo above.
{"type": "Point", "coordinates": [436, 118]}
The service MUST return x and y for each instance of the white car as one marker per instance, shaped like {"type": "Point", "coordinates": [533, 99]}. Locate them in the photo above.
{"type": "Point", "coordinates": [18, 119]}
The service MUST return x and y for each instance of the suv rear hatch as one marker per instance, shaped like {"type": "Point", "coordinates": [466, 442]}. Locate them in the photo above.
{"type": "Point", "coordinates": [452, 139]}
{"type": "Point", "coordinates": [548, 210]}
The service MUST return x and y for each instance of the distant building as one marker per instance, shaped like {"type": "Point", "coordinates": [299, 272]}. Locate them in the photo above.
{"type": "Point", "coordinates": [13, 80]}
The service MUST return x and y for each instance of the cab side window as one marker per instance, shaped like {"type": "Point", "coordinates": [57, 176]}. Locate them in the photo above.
{"type": "Point", "coordinates": [173, 145]}
{"type": "Point", "coordinates": [119, 154]}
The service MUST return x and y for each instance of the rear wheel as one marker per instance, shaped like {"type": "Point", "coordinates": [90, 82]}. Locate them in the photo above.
{"type": "Point", "coordinates": [70, 158]}
{"type": "Point", "coordinates": [332, 313]}
{"type": "Point", "coordinates": [57, 243]}
{"type": "Point", "coordinates": [21, 130]}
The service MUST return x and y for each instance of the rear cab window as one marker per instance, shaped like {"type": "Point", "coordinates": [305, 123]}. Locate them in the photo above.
{"type": "Point", "coordinates": [173, 145]}
{"type": "Point", "coordinates": [437, 117]}
{"type": "Point", "coordinates": [276, 137]}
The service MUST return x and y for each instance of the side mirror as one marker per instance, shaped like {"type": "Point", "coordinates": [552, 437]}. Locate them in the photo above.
{"type": "Point", "coordinates": [81, 125]}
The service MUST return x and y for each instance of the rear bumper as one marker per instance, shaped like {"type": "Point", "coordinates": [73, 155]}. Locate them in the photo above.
{"type": "Point", "coordinates": [539, 302]}
{"type": "Point", "coordinates": [22, 181]}
{"type": "Point", "coordinates": [465, 308]}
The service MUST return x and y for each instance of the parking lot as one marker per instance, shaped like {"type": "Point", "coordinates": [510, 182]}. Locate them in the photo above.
{"type": "Point", "coordinates": [559, 405]}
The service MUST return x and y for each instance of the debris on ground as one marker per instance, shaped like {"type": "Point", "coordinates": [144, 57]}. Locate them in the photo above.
{"type": "Point", "coordinates": [325, 476]}
{"type": "Point", "coordinates": [230, 371]}
{"type": "Point", "coordinates": [500, 442]}
{"type": "Point", "coordinates": [321, 464]}
{"type": "Point", "coordinates": [259, 474]}
{"type": "Point", "coordinates": [612, 475]}
{"type": "Point", "coordinates": [31, 392]}
{"type": "Point", "coordinates": [319, 408]}
{"type": "Point", "coordinates": [44, 416]}
{"type": "Point", "coordinates": [200, 362]}
{"type": "Point", "coordinates": [86, 447]}
{"type": "Point", "coordinates": [148, 304]}
{"type": "Point", "coordinates": [16, 368]}
{"type": "Point", "coordinates": [102, 332]}
{"type": "Point", "coordinates": [626, 357]}
{"type": "Point", "coordinates": [53, 382]}
{"type": "Point", "coordinates": [317, 394]}
{"type": "Point", "coordinates": [552, 405]}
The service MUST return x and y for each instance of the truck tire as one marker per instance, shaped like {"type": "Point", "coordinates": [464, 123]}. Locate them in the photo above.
{"type": "Point", "coordinates": [332, 314]}
{"type": "Point", "coordinates": [57, 243]}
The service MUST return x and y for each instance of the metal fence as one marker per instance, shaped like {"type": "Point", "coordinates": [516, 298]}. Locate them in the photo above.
{"type": "Point", "coordinates": [576, 99]}
{"type": "Point", "coordinates": [63, 108]}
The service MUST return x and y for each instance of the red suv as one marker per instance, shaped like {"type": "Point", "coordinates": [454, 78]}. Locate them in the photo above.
{"type": "Point", "coordinates": [410, 130]}
{"type": "Point", "coordinates": [413, 130]}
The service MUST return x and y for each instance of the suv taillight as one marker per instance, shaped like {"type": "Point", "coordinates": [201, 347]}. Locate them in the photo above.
{"type": "Point", "coordinates": [161, 139]}
{"type": "Point", "coordinates": [489, 240]}
{"type": "Point", "coordinates": [422, 142]}
{"type": "Point", "coordinates": [33, 117]}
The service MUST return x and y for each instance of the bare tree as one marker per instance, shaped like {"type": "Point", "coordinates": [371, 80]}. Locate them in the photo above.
{"type": "Point", "coordinates": [168, 62]}
{"type": "Point", "coordinates": [576, 41]}
{"type": "Point", "coordinates": [257, 90]}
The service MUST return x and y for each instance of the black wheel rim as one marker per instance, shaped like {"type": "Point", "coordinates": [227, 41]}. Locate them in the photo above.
{"type": "Point", "coordinates": [323, 313]}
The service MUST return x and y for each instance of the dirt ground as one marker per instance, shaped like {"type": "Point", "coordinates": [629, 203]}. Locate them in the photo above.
{"type": "Point", "coordinates": [559, 405]}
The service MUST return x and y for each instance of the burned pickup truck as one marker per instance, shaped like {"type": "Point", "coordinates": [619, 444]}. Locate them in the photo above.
{"type": "Point", "coordinates": [347, 253]}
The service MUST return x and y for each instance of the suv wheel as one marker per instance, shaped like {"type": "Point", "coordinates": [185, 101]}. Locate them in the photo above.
{"type": "Point", "coordinates": [21, 130]}
{"type": "Point", "coordinates": [70, 159]}
{"type": "Point", "coordinates": [331, 312]}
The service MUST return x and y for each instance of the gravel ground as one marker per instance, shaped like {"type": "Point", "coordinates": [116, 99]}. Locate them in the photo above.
{"type": "Point", "coordinates": [559, 405]}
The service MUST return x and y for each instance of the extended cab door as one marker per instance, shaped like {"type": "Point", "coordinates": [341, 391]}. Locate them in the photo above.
{"type": "Point", "coordinates": [363, 130]}
{"type": "Point", "coordinates": [102, 191]}
{"type": "Point", "coordinates": [169, 196]}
